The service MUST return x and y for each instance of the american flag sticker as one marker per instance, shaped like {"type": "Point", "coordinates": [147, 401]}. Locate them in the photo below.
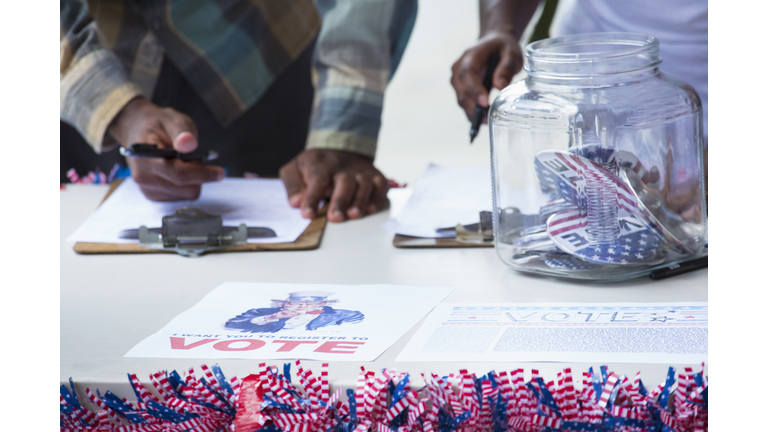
{"type": "Point", "coordinates": [570, 176]}
{"type": "Point", "coordinates": [635, 244]}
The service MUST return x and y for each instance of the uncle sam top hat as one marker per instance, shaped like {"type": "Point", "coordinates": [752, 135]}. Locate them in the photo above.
{"type": "Point", "coordinates": [308, 297]}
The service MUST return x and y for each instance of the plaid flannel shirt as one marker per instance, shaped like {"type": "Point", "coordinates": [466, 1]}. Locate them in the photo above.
{"type": "Point", "coordinates": [230, 51]}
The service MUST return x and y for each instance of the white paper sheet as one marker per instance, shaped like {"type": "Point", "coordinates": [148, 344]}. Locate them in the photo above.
{"type": "Point", "coordinates": [362, 322]}
{"type": "Point", "coordinates": [444, 197]}
{"type": "Point", "coordinates": [254, 202]}
{"type": "Point", "coordinates": [563, 332]}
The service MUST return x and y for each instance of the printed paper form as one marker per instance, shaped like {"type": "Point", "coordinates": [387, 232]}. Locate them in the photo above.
{"type": "Point", "coordinates": [444, 197]}
{"type": "Point", "coordinates": [254, 202]}
{"type": "Point", "coordinates": [262, 321]}
{"type": "Point", "coordinates": [563, 332]}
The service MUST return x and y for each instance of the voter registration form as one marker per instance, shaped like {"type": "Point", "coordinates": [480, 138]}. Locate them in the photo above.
{"type": "Point", "coordinates": [563, 332]}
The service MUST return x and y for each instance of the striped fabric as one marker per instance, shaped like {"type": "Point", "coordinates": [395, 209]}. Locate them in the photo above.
{"type": "Point", "coordinates": [230, 51]}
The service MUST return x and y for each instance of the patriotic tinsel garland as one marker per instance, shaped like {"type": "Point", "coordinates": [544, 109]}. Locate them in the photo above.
{"type": "Point", "coordinates": [497, 402]}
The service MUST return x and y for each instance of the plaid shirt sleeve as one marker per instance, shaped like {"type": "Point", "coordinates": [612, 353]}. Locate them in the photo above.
{"type": "Point", "coordinates": [357, 52]}
{"type": "Point", "coordinates": [94, 84]}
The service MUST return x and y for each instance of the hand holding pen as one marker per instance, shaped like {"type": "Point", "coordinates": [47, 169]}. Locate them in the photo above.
{"type": "Point", "coordinates": [153, 151]}
{"type": "Point", "coordinates": [472, 69]}
{"type": "Point", "coordinates": [481, 113]}
{"type": "Point", "coordinates": [168, 177]}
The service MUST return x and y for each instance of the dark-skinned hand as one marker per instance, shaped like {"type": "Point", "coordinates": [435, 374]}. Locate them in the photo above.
{"type": "Point", "coordinates": [469, 69]}
{"type": "Point", "coordinates": [356, 188]}
{"type": "Point", "coordinates": [141, 121]}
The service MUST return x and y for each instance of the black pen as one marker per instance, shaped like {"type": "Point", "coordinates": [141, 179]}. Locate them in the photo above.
{"type": "Point", "coordinates": [480, 112]}
{"type": "Point", "coordinates": [153, 151]}
{"type": "Point", "coordinates": [676, 269]}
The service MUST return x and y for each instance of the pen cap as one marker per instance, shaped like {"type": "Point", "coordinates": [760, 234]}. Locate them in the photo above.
{"type": "Point", "coordinates": [597, 161]}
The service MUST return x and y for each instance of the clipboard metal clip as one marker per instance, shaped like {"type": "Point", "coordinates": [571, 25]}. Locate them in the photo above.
{"type": "Point", "coordinates": [192, 232]}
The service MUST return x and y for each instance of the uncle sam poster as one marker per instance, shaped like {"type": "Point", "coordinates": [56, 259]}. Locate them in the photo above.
{"type": "Point", "coordinates": [288, 321]}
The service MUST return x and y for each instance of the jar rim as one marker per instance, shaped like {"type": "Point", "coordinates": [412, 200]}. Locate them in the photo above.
{"type": "Point", "coordinates": [595, 56]}
{"type": "Point", "coordinates": [634, 44]}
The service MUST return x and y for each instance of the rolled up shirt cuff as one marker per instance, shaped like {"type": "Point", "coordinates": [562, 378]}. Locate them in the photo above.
{"type": "Point", "coordinates": [344, 141]}
{"type": "Point", "coordinates": [96, 134]}
{"type": "Point", "coordinates": [93, 91]}
{"type": "Point", "coordinates": [346, 118]}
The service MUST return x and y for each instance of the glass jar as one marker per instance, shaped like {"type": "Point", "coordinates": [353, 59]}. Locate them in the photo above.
{"type": "Point", "coordinates": [597, 161]}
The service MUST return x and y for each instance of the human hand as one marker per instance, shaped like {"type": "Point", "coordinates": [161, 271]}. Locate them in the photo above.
{"type": "Point", "coordinates": [469, 69]}
{"type": "Point", "coordinates": [141, 121]}
{"type": "Point", "coordinates": [355, 186]}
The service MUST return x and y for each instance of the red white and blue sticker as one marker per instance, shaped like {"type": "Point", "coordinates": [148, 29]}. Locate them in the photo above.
{"type": "Point", "coordinates": [635, 243]}
{"type": "Point", "coordinates": [570, 176]}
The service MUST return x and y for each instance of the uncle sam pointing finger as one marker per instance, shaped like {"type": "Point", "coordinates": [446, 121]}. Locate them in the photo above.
{"type": "Point", "coordinates": [302, 310]}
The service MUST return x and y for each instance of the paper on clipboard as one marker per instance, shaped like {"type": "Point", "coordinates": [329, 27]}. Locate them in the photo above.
{"type": "Point", "coordinates": [443, 197]}
{"type": "Point", "coordinates": [254, 202]}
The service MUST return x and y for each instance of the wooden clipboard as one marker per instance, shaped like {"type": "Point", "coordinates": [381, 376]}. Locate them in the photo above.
{"type": "Point", "coordinates": [408, 242]}
{"type": "Point", "coordinates": [309, 239]}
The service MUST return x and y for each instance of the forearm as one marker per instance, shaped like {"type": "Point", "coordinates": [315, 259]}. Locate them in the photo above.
{"type": "Point", "coordinates": [357, 51]}
{"type": "Point", "coordinates": [506, 16]}
{"type": "Point", "coordinates": [94, 85]}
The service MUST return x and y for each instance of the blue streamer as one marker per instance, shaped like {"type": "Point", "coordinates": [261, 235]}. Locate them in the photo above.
{"type": "Point", "coordinates": [614, 393]}
{"type": "Point", "coordinates": [161, 411]}
{"type": "Point", "coordinates": [547, 396]}
{"type": "Point", "coordinates": [444, 420]}
{"type": "Point", "coordinates": [604, 374]}
{"type": "Point", "coordinates": [390, 391]}
{"type": "Point", "coordinates": [642, 389]}
{"type": "Point", "coordinates": [352, 407]}
{"type": "Point", "coordinates": [221, 379]}
{"type": "Point", "coordinates": [268, 402]}
{"type": "Point", "coordinates": [121, 407]}
{"type": "Point", "coordinates": [174, 379]}
{"type": "Point", "coordinates": [698, 379]}
{"type": "Point", "coordinates": [498, 413]}
{"type": "Point", "coordinates": [69, 397]}
{"type": "Point", "coordinates": [287, 371]}
{"type": "Point", "coordinates": [664, 396]}
{"type": "Point", "coordinates": [597, 383]}
{"type": "Point", "coordinates": [399, 420]}
{"type": "Point", "coordinates": [460, 419]}
{"type": "Point", "coordinates": [229, 408]}
{"type": "Point", "coordinates": [399, 390]}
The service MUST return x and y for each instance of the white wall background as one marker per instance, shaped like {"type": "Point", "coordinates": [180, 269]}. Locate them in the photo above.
{"type": "Point", "coordinates": [422, 122]}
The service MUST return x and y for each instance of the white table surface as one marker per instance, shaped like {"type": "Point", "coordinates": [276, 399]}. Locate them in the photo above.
{"type": "Point", "coordinates": [111, 302]}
